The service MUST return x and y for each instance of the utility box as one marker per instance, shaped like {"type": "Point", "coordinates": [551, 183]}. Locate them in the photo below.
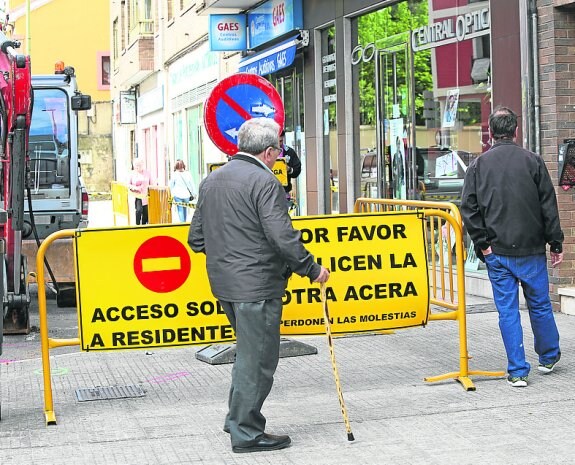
{"type": "Point", "coordinates": [566, 163]}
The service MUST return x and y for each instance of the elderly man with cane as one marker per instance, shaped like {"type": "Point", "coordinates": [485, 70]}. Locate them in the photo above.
{"type": "Point", "coordinates": [251, 248]}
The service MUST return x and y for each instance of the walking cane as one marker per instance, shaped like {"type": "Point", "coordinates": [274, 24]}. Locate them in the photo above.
{"type": "Point", "coordinates": [334, 364]}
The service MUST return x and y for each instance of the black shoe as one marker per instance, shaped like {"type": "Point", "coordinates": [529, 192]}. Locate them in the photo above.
{"type": "Point", "coordinates": [265, 442]}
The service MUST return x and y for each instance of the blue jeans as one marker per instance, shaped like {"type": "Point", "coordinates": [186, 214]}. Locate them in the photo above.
{"type": "Point", "coordinates": [505, 272]}
{"type": "Point", "coordinates": [182, 210]}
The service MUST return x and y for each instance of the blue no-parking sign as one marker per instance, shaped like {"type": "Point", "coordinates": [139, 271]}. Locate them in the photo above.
{"type": "Point", "coordinates": [236, 99]}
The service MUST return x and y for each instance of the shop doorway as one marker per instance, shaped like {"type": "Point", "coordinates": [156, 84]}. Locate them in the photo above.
{"type": "Point", "coordinates": [392, 169]}
{"type": "Point", "coordinates": [289, 84]}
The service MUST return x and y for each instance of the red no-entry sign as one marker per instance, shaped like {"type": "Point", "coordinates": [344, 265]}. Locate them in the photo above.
{"type": "Point", "coordinates": [162, 264]}
{"type": "Point", "coordinates": [235, 99]}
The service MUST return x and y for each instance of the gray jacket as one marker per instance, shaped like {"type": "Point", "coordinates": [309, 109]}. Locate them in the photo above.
{"type": "Point", "coordinates": [242, 225]}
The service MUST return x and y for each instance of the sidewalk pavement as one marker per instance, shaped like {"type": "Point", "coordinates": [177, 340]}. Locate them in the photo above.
{"type": "Point", "coordinates": [396, 417]}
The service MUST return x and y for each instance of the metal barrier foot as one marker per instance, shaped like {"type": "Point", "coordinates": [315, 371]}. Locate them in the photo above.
{"type": "Point", "coordinates": [50, 417]}
{"type": "Point", "coordinates": [496, 374]}
{"type": "Point", "coordinates": [465, 381]}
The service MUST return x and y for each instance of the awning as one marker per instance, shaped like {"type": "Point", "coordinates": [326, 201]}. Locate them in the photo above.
{"type": "Point", "coordinates": [269, 61]}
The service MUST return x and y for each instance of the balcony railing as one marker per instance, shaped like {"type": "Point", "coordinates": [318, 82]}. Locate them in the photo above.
{"type": "Point", "coordinates": [142, 28]}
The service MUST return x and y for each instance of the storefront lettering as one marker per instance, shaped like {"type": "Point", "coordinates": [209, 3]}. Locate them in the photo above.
{"type": "Point", "coordinates": [329, 83]}
{"type": "Point", "coordinates": [279, 15]}
{"type": "Point", "coordinates": [466, 26]}
{"type": "Point", "coordinates": [329, 68]}
{"type": "Point", "coordinates": [449, 30]}
{"type": "Point", "coordinates": [328, 58]}
{"type": "Point", "coordinates": [281, 59]}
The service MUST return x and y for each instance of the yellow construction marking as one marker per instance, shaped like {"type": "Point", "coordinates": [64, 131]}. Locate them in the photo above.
{"type": "Point", "coordinates": [161, 264]}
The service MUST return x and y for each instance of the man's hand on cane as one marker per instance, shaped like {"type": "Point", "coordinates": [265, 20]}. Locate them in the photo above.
{"type": "Point", "coordinates": [323, 276]}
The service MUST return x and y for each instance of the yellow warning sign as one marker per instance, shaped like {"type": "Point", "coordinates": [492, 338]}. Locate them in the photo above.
{"type": "Point", "coordinates": [379, 276]}
{"type": "Point", "coordinates": [215, 166]}
{"type": "Point", "coordinates": [280, 170]}
{"type": "Point", "coordinates": [143, 287]}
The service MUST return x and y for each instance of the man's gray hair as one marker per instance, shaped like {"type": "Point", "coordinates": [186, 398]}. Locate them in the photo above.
{"type": "Point", "coordinates": [257, 134]}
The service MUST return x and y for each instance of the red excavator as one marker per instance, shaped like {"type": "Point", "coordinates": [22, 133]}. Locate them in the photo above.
{"type": "Point", "coordinates": [15, 118]}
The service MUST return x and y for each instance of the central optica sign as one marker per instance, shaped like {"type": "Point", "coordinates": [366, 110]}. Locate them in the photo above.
{"type": "Point", "coordinates": [462, 27]}
{"type": "Point", "coordinates": [155, 295]}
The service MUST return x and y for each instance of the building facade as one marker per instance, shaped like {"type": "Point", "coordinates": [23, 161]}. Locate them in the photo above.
{"type": "Point", "coordinates": [162, 71]}
{"type": "Point", "coordinates": [80, 39]}
{"type": "Point", "coordinates": [384, 99]}
{"type": "Point", "coordinates": [394, 96]}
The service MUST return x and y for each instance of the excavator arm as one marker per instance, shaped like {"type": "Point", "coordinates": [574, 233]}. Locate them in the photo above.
{"type": "Point", "coordinates": [15, 118]}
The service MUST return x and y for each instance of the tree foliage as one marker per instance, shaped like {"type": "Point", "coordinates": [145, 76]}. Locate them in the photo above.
{"type": "Point", "coordinates": [387, 23]}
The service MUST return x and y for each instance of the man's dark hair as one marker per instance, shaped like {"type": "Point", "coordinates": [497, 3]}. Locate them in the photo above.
{"type": "Point", "coordinates": [503, 123]}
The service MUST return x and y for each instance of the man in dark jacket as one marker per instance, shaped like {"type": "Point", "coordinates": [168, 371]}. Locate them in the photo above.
{"type": "Point", "coordinates": [510, 210]}
{"type": "Point", "coordinates": [292, 161]}
{"type": "Point", "coordinates": [251, 248]}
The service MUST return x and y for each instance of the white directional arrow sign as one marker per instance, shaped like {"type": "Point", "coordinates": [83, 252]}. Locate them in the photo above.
{"type": "Point", "coordinates": [263, 109]}
{"type": "Point", "coordinates": [233, 133]}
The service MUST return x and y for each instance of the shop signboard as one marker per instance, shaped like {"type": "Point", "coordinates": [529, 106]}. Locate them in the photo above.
{"type": "Point", "coordinates": [128, 107]}
{"type": "Point", "coordinates": [273, 19]}
{"type": "Point", "coordinates": [193, 70]}
{"type": "Point", "coordinates": [272, 60]}
{"type": "Point", "coordinates": [227, 33]}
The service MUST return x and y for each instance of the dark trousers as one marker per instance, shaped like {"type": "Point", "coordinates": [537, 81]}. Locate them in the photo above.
{"type": "Point", "coordinates": [141, 212]}
{"type": "Point", "coordinates": [257, 327]}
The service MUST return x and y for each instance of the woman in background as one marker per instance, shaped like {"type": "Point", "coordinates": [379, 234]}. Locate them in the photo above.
{"type": "Point", "coordinates": [182, 188]}
{"type": "Point", "coordinates": [140, 180]}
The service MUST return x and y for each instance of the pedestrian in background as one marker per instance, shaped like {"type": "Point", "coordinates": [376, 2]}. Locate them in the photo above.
{"type": "Point", "coordinates": [293, 164]}
{"type": "Point", "coordinates": [140, 180]}
{"type": "Point", "coordinates": [251, 248]}
{"type": "Point", "coordinates": [509, 208]}
{"type": "Point", "coordinates": [182, 188]}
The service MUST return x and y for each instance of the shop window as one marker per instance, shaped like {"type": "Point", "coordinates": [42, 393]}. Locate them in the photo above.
{"type": "Point", "coordinates": [104, 71]}
{"type": "Point", "coordinates": [443, 99]}
{"type": "Point", "coordinates": [329, 113]}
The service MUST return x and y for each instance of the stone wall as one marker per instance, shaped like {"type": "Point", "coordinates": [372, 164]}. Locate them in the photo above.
{"type": "Point", "coordinates": [95, 147]}
{"type": "Point", "coordinates": [556, 37]}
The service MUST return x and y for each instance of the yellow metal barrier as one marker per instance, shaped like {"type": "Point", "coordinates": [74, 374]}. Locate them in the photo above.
{"type": "Point", "coordinates": [440, 217]}
{"type": "Point", "coordinates": [159, 205]}
{"type": "Point", "coordinates": [46, 342]}
{"type": "Point", "coordinates": [120, 204]}
{"type": "Point", "coordinates": [444, 232]}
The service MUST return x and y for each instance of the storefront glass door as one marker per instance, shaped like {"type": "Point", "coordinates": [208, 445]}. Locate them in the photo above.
{"type": "Point", "coordinates": [394, 99]}
{"type": "Point", "coordinates": [195, 159]}
{"type": "Point", "coordinates": [289, 84]}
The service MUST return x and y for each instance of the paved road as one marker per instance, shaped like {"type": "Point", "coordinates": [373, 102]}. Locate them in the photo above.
{"type": "Point", "coordinates": [396, 417]}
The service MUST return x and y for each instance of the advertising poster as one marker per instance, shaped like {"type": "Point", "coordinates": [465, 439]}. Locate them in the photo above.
{"type": "Point", "coordinates": [397, 158]}
{"type": "Point", "coordinates": [451, 103]}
